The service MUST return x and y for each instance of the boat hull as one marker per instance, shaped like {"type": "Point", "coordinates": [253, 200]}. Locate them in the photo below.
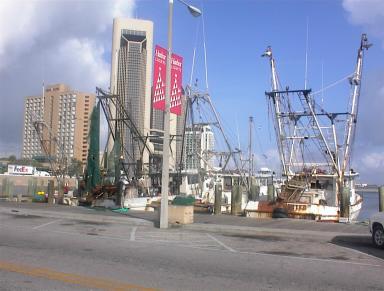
{"type": "Point", "coordinates": [264, 209]}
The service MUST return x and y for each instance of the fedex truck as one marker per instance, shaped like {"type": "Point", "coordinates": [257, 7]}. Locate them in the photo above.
{"type": "Point", "coordinates": [25, 171]}
{"type": "Point", "coordinates": [21, 170]}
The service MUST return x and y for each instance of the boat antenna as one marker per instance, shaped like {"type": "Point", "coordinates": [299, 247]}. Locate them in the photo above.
{"type": "Point", "coordinates": [238, 142]}
{"type": "Point", "coordinates": [41, 117]}
{"type": "Point", "coordinates": [322, 82]}
{"type": "Point", "coordinates": [306, 58]}
{"type": "Point", "coordinates": [238, 134]}
{"type": "Point", "coordinates": [250, 149]}
{"type": "Point", "coordinates": [42, 103]}
{"type": "Point", "coordinates": [194, 55]}
{"type": "Point", "coordinates": [205, 54]}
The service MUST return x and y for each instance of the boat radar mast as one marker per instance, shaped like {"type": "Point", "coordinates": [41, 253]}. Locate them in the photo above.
{"type": "Point", "coordinates": [355, 82]}
{"type": "Point", "coordinates": [308, 136]}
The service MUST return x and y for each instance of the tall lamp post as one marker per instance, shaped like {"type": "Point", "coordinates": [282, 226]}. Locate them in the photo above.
{"type": "Point", "coordinates": [165, 170]}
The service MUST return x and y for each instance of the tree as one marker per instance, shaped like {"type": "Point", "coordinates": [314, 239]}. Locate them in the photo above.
{"type": "Point", "coordinates": [93, 168]}
{"type": "Point", "coordinates": [75, 168]}
{"type": "Point", "coordinates": [3, 168]}
{"type": "Point", "coordinates": [12, 158]}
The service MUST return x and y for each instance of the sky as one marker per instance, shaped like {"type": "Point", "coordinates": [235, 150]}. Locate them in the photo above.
{"type": "Point", "coordinates": [69, 41]}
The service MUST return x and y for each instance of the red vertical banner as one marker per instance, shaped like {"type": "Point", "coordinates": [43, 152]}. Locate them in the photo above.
{"type": "Point", "coordinates": [159, 75]}
{"type": "Point", "coordinates": [159, 80]}
{"type": "Point", "coordinates": [176, 84]}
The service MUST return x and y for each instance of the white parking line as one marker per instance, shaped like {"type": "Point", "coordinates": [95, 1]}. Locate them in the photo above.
{"type": "Point", "coordinates": [133, 234]}
{"type": "Point", "coordinates": [221, 243]}
{"type": "Point", "coordinates": [205, 247]}
{"type": "Point", "coordinates": [311, 259]}
{"type": "Point", "coordinates": [45, 224]}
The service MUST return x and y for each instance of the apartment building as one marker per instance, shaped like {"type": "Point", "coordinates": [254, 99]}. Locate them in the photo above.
{"type": "Point", "coordinates": [62, 116]}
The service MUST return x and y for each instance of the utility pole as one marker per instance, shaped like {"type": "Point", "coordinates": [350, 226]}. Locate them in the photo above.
{"type": "Point", "coordinates": [250, 172]}
{"type": "Point", "coordinates": [166, 141]}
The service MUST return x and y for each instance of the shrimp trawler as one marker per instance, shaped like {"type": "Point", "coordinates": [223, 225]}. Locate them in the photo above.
{"type": "Point", "coordinates": [315, 148]}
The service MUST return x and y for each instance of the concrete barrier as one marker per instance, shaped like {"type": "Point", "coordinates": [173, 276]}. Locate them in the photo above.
{"type": "Point", "coordinates": [27, 185]}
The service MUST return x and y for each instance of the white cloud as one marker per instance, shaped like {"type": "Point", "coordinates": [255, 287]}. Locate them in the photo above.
{"type": "Point", "coordinates": [87, 55]}
{"type": "Point", "coordinates": [371, 106]}
{"type": "Point", "coordinates": [367, 13]}
{"type": "Point", "coordinates": [373, 160]}
{"type": "Point", "coordinates": [370, 165]}
{"type": "Point", "coordinates": [368, 156]}
{"type": "Point", "coordinates": [270, 159]}
{"type": "Point", "coordinates": [122, 8]}
{"type": "Point", "coordinates": [55, 41]}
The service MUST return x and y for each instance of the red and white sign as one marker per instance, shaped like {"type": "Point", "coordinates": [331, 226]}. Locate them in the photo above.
{"type": "Point", "coordinates": [159, 74]}
{"type": "Point", "coordinates": [159, 81]}
{"type": "Point", "coordinates": [176, 84]}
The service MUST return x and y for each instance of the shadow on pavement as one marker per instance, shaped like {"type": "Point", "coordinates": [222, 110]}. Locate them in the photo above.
{"type": "Point", "coordinates": [146, 215]}
{"type": "Point", "coordinates": [360, 243]}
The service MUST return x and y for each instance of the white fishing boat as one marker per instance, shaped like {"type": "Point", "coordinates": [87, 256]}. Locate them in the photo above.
{"type": "Point", "coordinates": [315, 152]}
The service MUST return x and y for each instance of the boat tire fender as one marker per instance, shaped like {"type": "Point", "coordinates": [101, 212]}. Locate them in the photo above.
{"type": "Point", "coordinates": [279, 213]}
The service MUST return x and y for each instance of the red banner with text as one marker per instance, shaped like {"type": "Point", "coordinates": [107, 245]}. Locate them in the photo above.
{"type": "Point", "coordinates": [159, 73]}
{"type": "Point", "coordinates": [159, 81]}
{"type": "Point", "coordinates": [176, 84]}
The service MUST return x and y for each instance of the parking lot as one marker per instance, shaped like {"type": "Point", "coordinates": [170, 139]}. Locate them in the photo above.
{"type": "Point", "coordinates": [129, 253]}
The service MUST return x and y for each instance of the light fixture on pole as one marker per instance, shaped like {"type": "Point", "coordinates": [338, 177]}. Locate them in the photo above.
{"type": "Point", "coordinates": [165, 168]}
{"type": "Point", "coordinates": [196, 12]}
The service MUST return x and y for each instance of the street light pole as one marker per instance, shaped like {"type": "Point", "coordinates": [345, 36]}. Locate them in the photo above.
{"type": "Point", "coordinates": [165, 168]}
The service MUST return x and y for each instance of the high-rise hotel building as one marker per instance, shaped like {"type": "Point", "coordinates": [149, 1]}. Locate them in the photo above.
{"type": "Point", "coordinates": [131, 72]}
{"type": "Point", "coordinates": [199, 142]}
{"type": "Point", "coordinates": [63, 115]}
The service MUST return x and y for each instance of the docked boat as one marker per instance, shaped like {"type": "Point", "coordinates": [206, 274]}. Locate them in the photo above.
{"type": "Point", "coordinates": [306, 196]}
{"type": "Point", "coordinates": [315, 148]}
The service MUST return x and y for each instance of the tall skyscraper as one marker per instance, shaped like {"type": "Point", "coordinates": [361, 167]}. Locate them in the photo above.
{"type": "Point", "coordinates": [157, 137]}
{"type": "Point", "coordinates": [65, 115]}
{"type": "Point", "coordinates": [199, 141]}
{"type": "Point", "coordinates": [176, 132]}
{"type": "Point", "coordinates": [131, 74]}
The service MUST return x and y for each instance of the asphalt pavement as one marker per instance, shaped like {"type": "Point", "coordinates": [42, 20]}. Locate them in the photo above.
{"type": "Point", "coordinates": [202, 222]}
{"type": "Point", "coordinates": [58, 247]}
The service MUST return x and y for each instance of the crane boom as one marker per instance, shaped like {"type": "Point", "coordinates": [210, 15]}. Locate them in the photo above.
{"type": "Point", "coordinates": [277, 108]}
{"type": "Point", "coordinates": [355, 82]}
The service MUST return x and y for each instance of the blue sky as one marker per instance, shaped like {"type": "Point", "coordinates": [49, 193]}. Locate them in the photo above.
{"type": "Point", "coordinates": [70, 42]}
{"type": "Point", "coordinates": [237, 32]}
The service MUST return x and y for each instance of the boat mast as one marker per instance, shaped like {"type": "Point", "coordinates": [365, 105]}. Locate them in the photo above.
{"type": "Point", "coordinates": [351, 121]}
{"type": "Point", "coordinates": [277, 108]}
{"type": "Point", "coordinates": [250, 170]}
{"type": "Point", "coordinates": [355, 82]}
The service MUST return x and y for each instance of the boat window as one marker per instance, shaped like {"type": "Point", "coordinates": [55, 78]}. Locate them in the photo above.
{"type": "Point", "coordinates": [316, 185]}
{"type": "Point", "coordinates": [193, 179]}
{"type": "Point", "coordinates": [227, 183]}
{"type": "Point", "coordinates": [263, 182]}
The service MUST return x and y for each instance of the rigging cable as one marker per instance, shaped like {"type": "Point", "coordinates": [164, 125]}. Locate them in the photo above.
{"type": "Point", "coordinates": [333, 84]}
{"type": "Point", "coordinates": [194, 54]}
